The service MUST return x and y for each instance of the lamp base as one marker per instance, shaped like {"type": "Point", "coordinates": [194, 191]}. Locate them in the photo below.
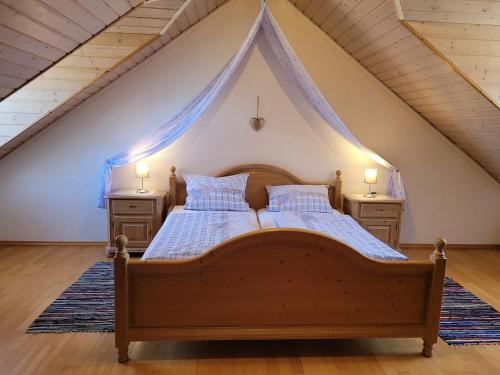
{"type": "Point", "coordinates": [142, 191]}
{"type": "Point", "coordinates": [370, 195]}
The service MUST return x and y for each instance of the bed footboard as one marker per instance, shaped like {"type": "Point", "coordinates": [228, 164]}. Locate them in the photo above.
{"type": "Point", "coordinates": [277, 284]}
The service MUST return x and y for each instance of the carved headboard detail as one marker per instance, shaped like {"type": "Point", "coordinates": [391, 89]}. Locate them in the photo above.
{"type": "Point", "coordinates": [260, 175]}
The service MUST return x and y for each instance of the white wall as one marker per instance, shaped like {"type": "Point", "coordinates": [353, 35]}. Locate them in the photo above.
{"type": "Point", "coordinates": [48, 187]}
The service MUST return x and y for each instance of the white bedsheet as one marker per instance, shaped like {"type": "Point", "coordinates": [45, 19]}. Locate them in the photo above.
{"type": "Point", "coordinates": [267, 218]}
{"type": "Point", "coordinates": [188, 233]}
{"type": "Point", "coordinates": [341, 227]}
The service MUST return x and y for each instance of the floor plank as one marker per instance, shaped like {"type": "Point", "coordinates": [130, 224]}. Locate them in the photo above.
{"type": "Point", "coordinates": [31, 277]}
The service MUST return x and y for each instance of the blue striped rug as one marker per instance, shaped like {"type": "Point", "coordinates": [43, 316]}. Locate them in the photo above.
{"type": "Point", "coordinates": [88, 306]}
{"type": "Point", "coordinates": [465, 319]}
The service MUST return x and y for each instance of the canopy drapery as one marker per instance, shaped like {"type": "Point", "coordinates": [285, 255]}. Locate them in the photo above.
{"type": "Point", "coordinates": [173, 128]}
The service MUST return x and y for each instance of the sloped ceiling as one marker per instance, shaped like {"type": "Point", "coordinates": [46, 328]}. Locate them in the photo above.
{"type": "Point", "coordinates": [34, 34]}
{"type": "Point", "coordinates": [95, 65]}
{"type": "Point", "coordinates": [473, 48]}
{"type": "Point", "coordinates": [82, 66]}
{"type": "Point", "coordinates": [372, 33]}
{"type": "Point", "coordinates": [467, 33]}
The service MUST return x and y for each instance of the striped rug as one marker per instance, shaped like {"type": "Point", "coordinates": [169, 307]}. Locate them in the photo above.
{"type": "Point", "coordinates": [465, 319]}
{"type": "Point", "coordinates": [88, 306]}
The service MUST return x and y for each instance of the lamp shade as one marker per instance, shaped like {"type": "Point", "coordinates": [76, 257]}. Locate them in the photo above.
{"type": "Point", "coordinates": [142, 170]}
{"type": "Point", "coordinates": [370, 176]}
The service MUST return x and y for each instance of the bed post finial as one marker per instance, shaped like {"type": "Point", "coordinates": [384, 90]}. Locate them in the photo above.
{"type": "Point", "coordinates": [121, 244]}
{"type": "Point", "coordinates": [439, 246]}
{"type": "Point", "coordinates": [337, 200]}
{"type": "Point", "coordinates": [172, 187]}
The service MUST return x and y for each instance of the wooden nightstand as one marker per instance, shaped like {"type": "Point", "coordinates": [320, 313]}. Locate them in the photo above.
{"type": "Point", "coordinates": [381, 215]}
{"type": "Point", "coordinates": [137, 216]}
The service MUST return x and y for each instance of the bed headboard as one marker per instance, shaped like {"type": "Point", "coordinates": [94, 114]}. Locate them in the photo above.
{"type": "Point", "coordinates": [260, 175]}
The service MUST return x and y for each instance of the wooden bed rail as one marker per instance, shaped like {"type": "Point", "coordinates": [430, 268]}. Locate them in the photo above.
{"type": "Point", "coordinates": [277, 284]}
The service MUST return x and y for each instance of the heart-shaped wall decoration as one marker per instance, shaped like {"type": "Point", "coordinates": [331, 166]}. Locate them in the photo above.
{"type": "Point", "coordinates": [257, 123]}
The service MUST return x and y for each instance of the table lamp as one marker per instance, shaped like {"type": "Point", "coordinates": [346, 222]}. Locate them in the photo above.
{"type": "Point", "coordinates": [142, 172]}
{"type": "Point", "coordinates": [370, 178]}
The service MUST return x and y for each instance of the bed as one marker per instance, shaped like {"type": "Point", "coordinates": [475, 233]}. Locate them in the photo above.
{"type": "Point", "coordinates": [280, 283]}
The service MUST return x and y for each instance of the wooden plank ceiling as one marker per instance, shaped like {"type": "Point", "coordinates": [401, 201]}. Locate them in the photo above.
{"type": "Point", "coordinates": [34, 34]}
{"type": "Point", "coordinates": [371, 32]}
{"type": "Point", "coordinates": [95, 65]}
{"type": "Point", "coordinates": [467, 33]}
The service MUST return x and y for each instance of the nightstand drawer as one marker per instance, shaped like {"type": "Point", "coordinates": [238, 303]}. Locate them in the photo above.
{"type": "Point", "coordinates": [379, 210]}
{"type": "Point", "coordinates": [133, 207]}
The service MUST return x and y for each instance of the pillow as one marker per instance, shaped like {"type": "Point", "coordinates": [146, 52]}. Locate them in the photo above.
{"type": "Point", "coordinates": [303, 198]}
{"type": "Point", "coordinates": [205, 193]}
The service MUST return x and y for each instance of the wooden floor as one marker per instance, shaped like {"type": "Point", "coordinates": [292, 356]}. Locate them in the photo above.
{"type": "Point", "coordinates": [32, 277]}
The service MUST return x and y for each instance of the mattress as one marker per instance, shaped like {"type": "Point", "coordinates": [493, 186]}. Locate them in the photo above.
{"type": "Point", "coordinates": [336, 225]}
{"type": "Point", "coordinates": [188, 233]}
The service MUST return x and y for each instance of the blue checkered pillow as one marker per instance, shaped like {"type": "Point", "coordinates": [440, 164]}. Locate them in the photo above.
{"type": "Point", "coordinates": [205, 193]}
{"type": "Point", "coordinates": [303, 198]}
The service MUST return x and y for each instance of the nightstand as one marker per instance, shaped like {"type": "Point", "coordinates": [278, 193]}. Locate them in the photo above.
{"type": "Point", "coordinates": [381, 215]}
{"type": "Point", "coordinates": [137, 216]}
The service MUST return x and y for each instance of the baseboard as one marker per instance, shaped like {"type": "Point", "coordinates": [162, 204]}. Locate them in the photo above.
{"type": "Point", "coordinates": [52, 243]}
{"type": "Point", "coordinates": [414, 246]}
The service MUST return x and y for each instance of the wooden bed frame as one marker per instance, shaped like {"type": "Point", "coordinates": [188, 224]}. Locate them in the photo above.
{"type": "Point", "coordinates": [275, 284]}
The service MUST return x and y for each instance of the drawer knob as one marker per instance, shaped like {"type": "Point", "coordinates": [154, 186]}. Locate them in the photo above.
{"type": "Point", "coordinates": [132, 206]}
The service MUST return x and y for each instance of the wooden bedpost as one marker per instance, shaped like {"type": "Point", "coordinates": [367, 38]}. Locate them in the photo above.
{"type": "Point", "coordinates": [337, 202]}
{"type": "Point", "coordinates": [438, 257]}
{"type": "Point", "coordinates": [121, 298]}
{"type": "Point", "coordinates": [172, 185]}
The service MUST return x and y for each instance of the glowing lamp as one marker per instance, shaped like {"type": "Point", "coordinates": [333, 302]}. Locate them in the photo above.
{"type": "Point", "coordinates": [370, 178]}
{"type": "Point", "coordinates": [142, 172]}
